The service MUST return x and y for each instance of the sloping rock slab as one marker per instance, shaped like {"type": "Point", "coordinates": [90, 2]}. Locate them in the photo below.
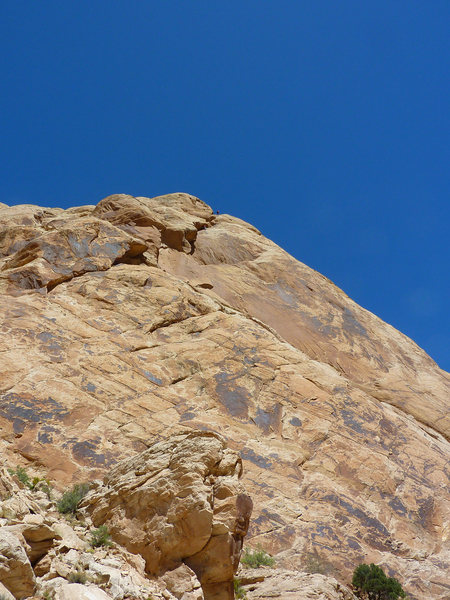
{"type": "Point", "coordinates": [262, 584]}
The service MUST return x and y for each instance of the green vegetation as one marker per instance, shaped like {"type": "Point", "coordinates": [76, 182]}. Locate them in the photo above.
{"type": "Point", "coordinates": [371, 583]}
{"type": "Point", "coordinates": [100, 537]}
{"type": "Point", "coordinates": [239, 591]}
{"type": "Point", "coordinates": [37, 483]}
{"type": "Point", "coordinates": [72, 498]}
{"type": "Point", "coordinates": [257, 558]}
{"type": "Point", "coordinates": [77, 576]}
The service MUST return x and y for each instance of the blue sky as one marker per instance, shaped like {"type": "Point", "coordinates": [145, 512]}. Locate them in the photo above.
{"type": "Point", "coordinates": [323, 123]}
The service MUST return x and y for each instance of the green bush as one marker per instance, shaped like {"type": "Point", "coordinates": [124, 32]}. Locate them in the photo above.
{"type": "Point", "coordinates": [21, 475]}
{"type": "Point", "coordinates": [72, 498]}
{"type": "Point", "coordinates": [37, 483]}
{"type": "Point", "coordinates": [77, 576]}
{"type": "Point", "coordinates": [239, 591]}
{"type": "Point", "coordinates": [100, 537]}
{"type": "Point", "coordinates": [370, 582]}
{"type": "Point", "coordinates": [257, 558]}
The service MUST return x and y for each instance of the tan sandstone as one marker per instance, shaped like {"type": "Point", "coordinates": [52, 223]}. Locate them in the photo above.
{"type": "Point", "coordinates": [128, 321]}
{"type": "Point", "coordinates": [262, 584]}
{"type": "Point", "coordinates": [179, 501]}
{"type": "Point", "coordinates": [16, 573]}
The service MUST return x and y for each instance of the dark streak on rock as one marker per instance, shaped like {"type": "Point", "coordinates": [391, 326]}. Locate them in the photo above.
{"type": "Point", "coordinates": [257, 459]}
{"type": "Point", "coordinates": [85, 453]}
{"type": "Point", "coordinates": [268, 420]}
{"type": "Point", "coordinates": [26, 408]}
{"type": "Point", "coordinates": [233, 397]}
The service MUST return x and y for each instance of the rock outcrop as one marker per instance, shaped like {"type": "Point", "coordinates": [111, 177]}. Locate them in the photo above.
{"type": "Point", "coordinates": [137, 318]}
{"type": "Point", "coordinates": [260, 584]}
{"type": "Point", "coordinates": [44, 555]}
{"type": "Point", "coordinates": [179, 502]}
{"type": "Point", "coordinates": [16, 573]}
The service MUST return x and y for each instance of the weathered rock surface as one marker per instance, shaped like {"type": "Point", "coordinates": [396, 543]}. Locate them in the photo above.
{"type": "Point", "coordinates": [179, 501]}
{"type": "Point", "coordinates": [262, 584]}
{"type": "Point", "coordinates": [42, 555]}
{"type": "Point", "coordinates": [183, 583]}
{"type": "Point", "coordinates": [76, 591]}
{"type": "Point", "coordinates": [138, 318]}
{"type": "Point", "coordinates": [5, 593]}
{"type": "Point", "coordinates": [16, 573]}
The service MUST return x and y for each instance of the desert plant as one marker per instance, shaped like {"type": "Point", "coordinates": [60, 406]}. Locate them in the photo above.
{"type": "Point", "coordinates": [70, 500]}
{"type": "Point", "coordinates": [100, 537]}
{"type": "Point", "coordinates": [21, 475]}
{"type": "Point", "coordinates": [239, 591]}
{"type": "Point", "coordinates": [37, 483]}
{"type": "Point", "coordinates": [42, 485]}
{"type": "Point", "coordinates": [77, 576]}
{"type": "Point", "coordinates": [257, 558]}
{"type": "Point", "coordinates": [370, 581]}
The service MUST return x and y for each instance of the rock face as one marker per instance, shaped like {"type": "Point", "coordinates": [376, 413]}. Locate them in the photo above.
{"type": "Point", "coordinates": [260, 584]}
{"type": "Point", "coordinates": [129, 321]}
{"type": "Point", "coordinates": [16, 573]}
{"type": "Point", "coordinates": [43, 556]}
{"type": "Point", "coordinates": [179, 501]}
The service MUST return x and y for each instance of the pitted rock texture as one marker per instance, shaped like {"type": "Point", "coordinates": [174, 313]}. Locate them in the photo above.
{"type": "Point", "coordinates": [265, 584]}
{"type": "Point", "coordinates": [179, 501]}
{"type": "Point", "coordinates": [195, 320]}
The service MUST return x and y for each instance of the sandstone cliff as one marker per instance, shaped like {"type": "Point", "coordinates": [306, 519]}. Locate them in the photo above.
{"type": "Point", "coordinates": [138, 318]}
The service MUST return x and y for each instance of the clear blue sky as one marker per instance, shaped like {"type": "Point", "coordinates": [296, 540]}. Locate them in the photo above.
{"type": "Point", "coordinates": [324, 123]}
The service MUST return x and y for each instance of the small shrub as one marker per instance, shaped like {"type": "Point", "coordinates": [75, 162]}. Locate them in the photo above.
{"type": "Point", "coordinates": [72, 498]}
{"type": "Point", "coordinates": [77, 576]}
{"type": "Point", "coordinates": [239, 591]}
{"type": "Point", "coordinates": [42, 485]}
{"type": "Point", "coordinates": [100, 537]}
{"type": "Point", "coordinates": [37, 483]}
{"type": "Point", "coordinates": [21, 475]}
{"type": "Point", "coordinates": [370, 582]}
{"type": "Point", "coordinates": [257, 558]}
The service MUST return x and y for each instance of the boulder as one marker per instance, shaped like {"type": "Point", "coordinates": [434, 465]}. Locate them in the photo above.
{"type": "Point", "coordinates": [16, 573]}
{"type": "Point", "coordinates": [77, 591]}
{"type": "Point", "coordinates": [261, 584]}
{"type": "Point", "coordinates": [183, 583]}
{"type": "Point", "coordinates": [179, 501]}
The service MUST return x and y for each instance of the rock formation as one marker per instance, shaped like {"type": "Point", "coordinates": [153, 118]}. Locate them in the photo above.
{"type": "Point", "coordinates": [260, 584]}
{"type": "Point", "coordinates": [139, 318]}
{"type": "Point", "coordinates": [179, 502]}
{"type": "Point", "coordinates": [45, 556]}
